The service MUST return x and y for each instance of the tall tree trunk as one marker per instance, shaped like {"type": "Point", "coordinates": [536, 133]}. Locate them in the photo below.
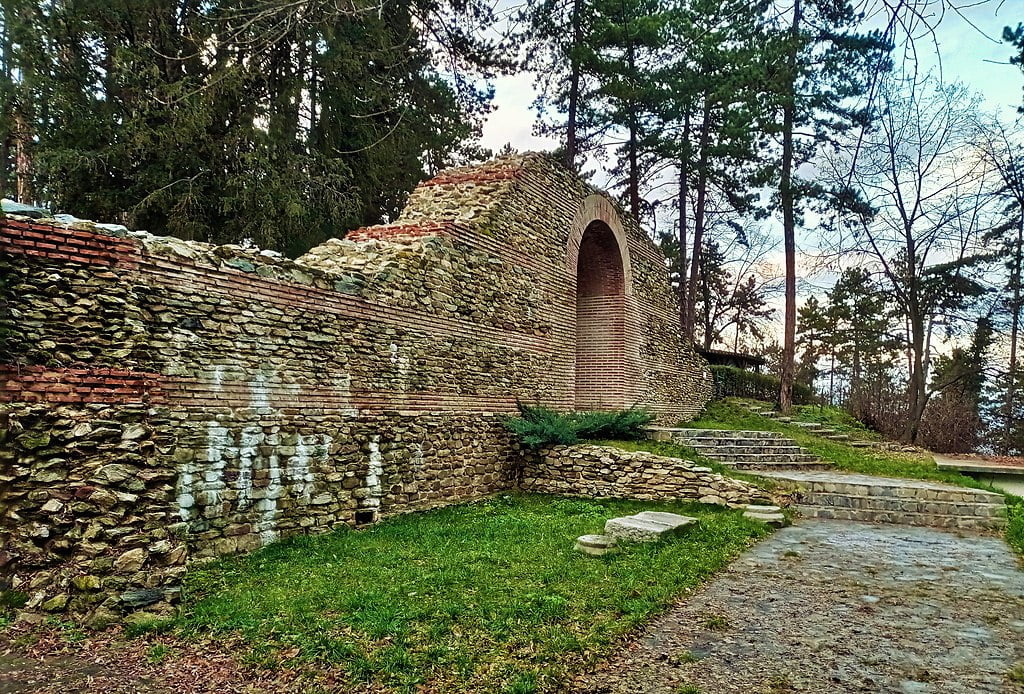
{"type": "Point", "coordinates": [1009, 405]}
{"type": "Point", "coordinates": [7, 94]}
{"type": "Point", "coordinates": [918, 381]}
{"type": "Point", "coordinates": [571, 146]}
{"type": "Point", "coordinates": [689, 326]}
{"type": "Point", "coordinates": [633, 144]}
{"type": "Point", "coordinates": [919, 331]}
{"type": "Point", "coordinates": [684, 194]}
{"type": "Point", "coordinates": [23, 158]}
{"type": "Point", "coordinates": [787, 199]}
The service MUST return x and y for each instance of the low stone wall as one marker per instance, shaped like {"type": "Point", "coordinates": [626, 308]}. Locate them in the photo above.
{"type": "Point", "coordinates": [603, 471]}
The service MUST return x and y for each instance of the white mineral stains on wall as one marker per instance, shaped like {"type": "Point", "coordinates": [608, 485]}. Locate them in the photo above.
{"type": "Point", "coordinates": [218, 443]}
{"type": "Point", "coordinates": [401, 363]}
{"type": "Point", "coordinates": [374, 473]}
{"type": "Point", "coordinates": [186, 498]}
{"type": "Point", "coordinates": [248, 453]}
{"type": "Point", "coordinates": [266, 526]}
{"type": "Point", "coordinates": [298, 472]}
{"type": "Point", "coordinates": [259, 393]}
{"type": "Point", "coordinates": [342, 385]}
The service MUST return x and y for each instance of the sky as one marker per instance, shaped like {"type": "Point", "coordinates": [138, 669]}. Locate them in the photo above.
{"type": "Point", "coordinates": [966, 47]}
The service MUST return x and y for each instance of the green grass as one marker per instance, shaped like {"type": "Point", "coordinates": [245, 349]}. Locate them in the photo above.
{"type": "Point", "coordinates": [1015, 525]}
{"type": "Point", "coordinates": [839, 419]}
{"type": "Point", "coordinates": [478, 597]}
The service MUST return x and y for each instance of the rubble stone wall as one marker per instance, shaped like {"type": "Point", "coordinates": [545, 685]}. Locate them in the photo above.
{"type": "Point", "coordinates": [605, 472]}
{"type": "Point", "coordinates": [165, 401]}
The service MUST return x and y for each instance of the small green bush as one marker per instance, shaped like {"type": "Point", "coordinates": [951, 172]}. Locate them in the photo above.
{"type": "Point", "coordinates": [541, 426]}
{"type": "Point", "coordinates": [730, 382]}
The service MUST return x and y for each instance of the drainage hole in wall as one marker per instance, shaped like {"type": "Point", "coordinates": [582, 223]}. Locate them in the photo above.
{"type": "Point", "coordinates": [366, 517]}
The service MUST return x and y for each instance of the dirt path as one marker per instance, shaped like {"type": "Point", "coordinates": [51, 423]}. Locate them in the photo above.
{"type": "Point", "coordinates": [829, 606]}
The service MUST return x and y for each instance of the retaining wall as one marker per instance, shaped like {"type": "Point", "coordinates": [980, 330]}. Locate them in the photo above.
{"type": "Point", "coordinates": [165, 400]}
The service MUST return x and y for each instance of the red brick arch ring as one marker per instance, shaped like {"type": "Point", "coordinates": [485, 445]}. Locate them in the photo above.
{"type": "Point", "coordinates": [597, 211]}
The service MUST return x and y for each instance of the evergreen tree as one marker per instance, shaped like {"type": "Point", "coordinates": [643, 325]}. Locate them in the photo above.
{"type": "Point", "coordinates": [222, 121]}
{"type": "Point", "coordinates": [1015, 37]}
{"type": "Point", "coordinates": [558, 52]}
{"type": "Point", "coordinates": [1003, 149]}
{"type": "Point", "coordinates": [822, 64]}
{"type": "Point", "coordinates": [711, 91]}
{"type": "Point", "coordinates": [626, 40]}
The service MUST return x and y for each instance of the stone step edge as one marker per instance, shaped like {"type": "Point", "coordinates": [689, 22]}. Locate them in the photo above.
{"type": "Point", "coordinates": [806, 487]}
{"type": "Point", "coordinates": [811, 497]}
{"type": "Point", "coordinates": [728, 447]}
{"type": "Point", "coordinates": [782, 466]}
{"type": "Point", "coordinates": [988, 521]}
{"type": "Point", "coordinates": [757, 433]}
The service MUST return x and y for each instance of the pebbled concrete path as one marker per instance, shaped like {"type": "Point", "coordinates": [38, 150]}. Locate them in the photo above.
{"type": "Point", "coordinates": [830, 606]}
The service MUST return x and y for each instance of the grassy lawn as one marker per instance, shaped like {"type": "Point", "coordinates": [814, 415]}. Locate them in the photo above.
{"type": "Point", "coordinates": [724, 414]}
{"type": "Point", "coordinates": [484, 597]}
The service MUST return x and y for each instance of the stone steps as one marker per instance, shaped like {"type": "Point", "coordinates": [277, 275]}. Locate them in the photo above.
{"type": "Point", "coordinates": [760, 465]}
{"type": "Point", "coordinates": [727, 448]}
{"type": "Point", "coordinates": [894, 518]}
{"type": "Point", "coordinates": [715, 433]}
{"type": "Point", "coordinates": [816, 428]}
{"type": "Point", "coordinates": [743, 450]}
{"type": "Point", "coordinates": [902, 505]}
{"type": "Point", "coordinates": [853, 497]}
{"type": "Point", "coordinates": [761, 457]}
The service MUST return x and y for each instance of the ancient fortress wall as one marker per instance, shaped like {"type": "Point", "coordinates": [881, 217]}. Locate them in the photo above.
{"type": "Point", "coordinates": [163, 401]}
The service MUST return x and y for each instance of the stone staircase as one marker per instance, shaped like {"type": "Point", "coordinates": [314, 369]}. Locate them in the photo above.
{"type": "Point", "coordinates": [849, 496]}
{"type": "Point", "coordinates": [743, 450]}
{"type": "Point", "coordinates": [814, 427]}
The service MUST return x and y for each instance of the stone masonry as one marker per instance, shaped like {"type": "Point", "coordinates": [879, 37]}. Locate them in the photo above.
{"type": "Point", "coordinates": [603, 471]}
{"type": "Point", "coordinates": [163, 401]}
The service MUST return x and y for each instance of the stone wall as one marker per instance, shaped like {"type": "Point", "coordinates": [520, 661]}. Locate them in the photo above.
{"type": "Point", "coordinates": [278, 396]}
{"type": "Point", "coordinates": [606, 472]}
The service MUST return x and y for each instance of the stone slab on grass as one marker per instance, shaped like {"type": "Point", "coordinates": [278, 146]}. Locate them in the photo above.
{"type": "Point", "coordinates": [648, 526]}
{"type": "Point", "coordinates": [595, 545]}
{"type": "Point", "coordinates": [776, 520]}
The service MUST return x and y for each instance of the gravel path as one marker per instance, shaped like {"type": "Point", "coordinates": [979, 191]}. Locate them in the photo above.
{"type": "Point", "coordinates": [828, 606]}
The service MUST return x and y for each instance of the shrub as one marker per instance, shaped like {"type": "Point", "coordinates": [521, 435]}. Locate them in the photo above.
{"type": "Point", "coordinates": [541, 426]}
{"type": "Point", "coordinates": [740, 383]}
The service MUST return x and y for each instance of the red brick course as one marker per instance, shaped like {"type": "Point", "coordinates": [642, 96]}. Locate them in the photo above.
{"type": "Point", "coordinates": [71, 245]}
{"type": "Point", "coordinates": [78, 385]}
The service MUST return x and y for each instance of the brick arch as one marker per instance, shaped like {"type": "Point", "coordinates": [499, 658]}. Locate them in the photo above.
{"type": "Point", "coordinates": [599, 259]}
{"type": "Point", "coordinates": [598, 208]}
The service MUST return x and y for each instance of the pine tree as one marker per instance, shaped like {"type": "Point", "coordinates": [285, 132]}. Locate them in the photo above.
{"type": "Point", "coordinates": [626, 39]}
{"type": "Point", "coordinates": [1015, 37]}
{"type": "Point", "coordinates": [823, 65]}
{"type": "Point", "coordinates": [711, 87]}
{"type": "Point", "coordinates": [284, 124]}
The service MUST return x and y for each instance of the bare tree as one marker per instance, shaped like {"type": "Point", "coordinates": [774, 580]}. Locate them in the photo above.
{"type": "Point", "coordinates": [736, 283]}
{"type": "Point", "coordinates": [920, 201]}
{"type": "Point", "coordinates": [1003, 149]}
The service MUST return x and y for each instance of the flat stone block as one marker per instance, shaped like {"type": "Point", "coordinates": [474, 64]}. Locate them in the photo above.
{"type": "Point", "coordinates": [639, 529]}
{"type": "Point", "coordinates": [776, 520]}
{"type": "Point", "coordinates": [595, 545]}
{"type": "Point", "coordinates": [755, 508]}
